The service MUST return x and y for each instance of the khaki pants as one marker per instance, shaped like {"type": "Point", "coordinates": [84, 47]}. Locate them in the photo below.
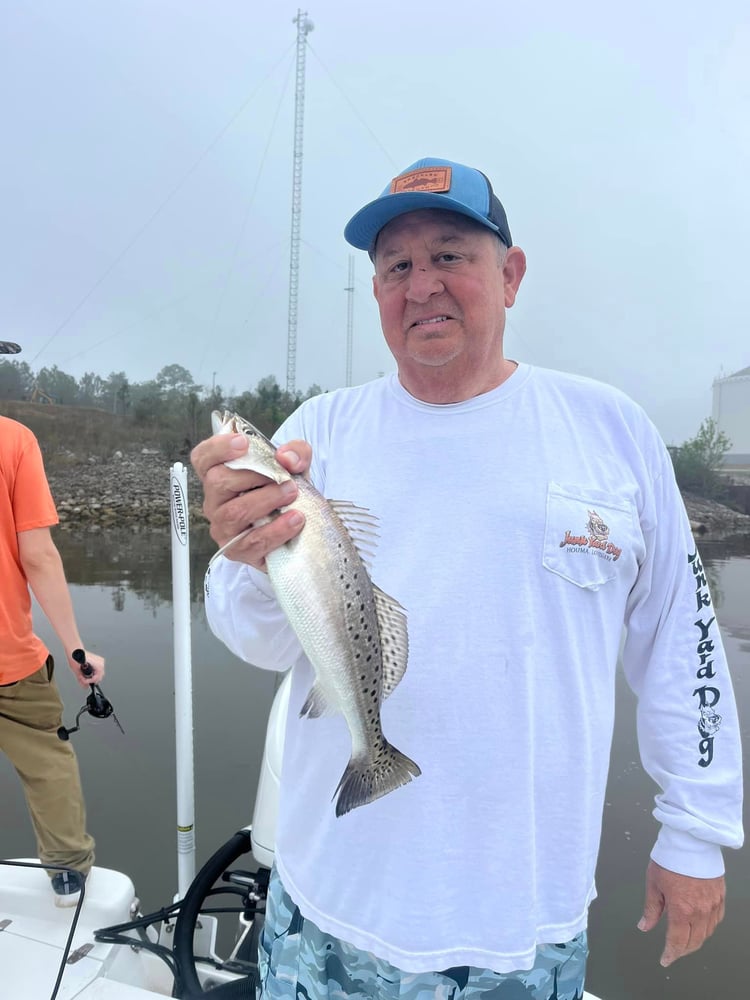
{"type": "Point", "coordinates": [30, 714]}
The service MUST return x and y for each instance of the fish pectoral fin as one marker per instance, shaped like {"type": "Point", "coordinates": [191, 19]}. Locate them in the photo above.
{"type": "Point", "coordinates": [394, 640]}
{"type": "Point", "coordinates": [226, 545]}
{"type": "Point", "coordinates": [256, 524]}
{"type": "Point", "coordinates": [316, 704]}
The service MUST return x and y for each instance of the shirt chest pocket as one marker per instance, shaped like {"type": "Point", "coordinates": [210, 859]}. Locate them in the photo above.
{"type": "Point", "coordinates": [586, 533]}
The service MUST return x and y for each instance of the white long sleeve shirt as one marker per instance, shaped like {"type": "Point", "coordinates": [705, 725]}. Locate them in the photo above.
{"type": "Point", "coordinates": [521, 530]}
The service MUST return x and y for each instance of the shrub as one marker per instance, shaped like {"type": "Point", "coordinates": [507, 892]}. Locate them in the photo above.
{"type": "Point", "coordinates": [697, 462]}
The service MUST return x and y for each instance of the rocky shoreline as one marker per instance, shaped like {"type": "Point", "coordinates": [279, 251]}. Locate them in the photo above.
{"type": "Point", "coordinates": [125, 490]}
{"type": "Point", "coordinates": [133, 490]}
{"type": "Point", "coordinates": [710, 519]}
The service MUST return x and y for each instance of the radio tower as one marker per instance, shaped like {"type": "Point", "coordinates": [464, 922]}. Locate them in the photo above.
{"type": "Point", "coordinates": [304, 27]}
{"type": "Point", "coordinates": [349, 319]}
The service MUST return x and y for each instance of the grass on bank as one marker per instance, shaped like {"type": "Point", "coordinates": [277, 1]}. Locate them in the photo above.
{"type": "Point", "coordinates": [67, 434]}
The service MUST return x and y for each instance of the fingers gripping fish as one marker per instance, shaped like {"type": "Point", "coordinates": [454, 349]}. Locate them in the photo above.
{"type": "Point", "coordinates": [354, 635]}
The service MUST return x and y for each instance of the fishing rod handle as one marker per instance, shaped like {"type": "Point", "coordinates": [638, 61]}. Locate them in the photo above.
{"type": "Point", "coordinates": [79, 655]}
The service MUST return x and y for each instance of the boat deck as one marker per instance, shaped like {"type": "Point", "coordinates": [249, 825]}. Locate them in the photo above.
{"type": "Point", "coordinates": [34, 932]}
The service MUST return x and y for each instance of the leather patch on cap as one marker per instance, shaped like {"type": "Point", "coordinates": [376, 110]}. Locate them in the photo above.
{"type": "Point", "coordinates": [424, 179]}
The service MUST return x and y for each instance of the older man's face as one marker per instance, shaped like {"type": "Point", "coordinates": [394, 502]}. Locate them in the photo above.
{"type": "Point", "coordinates": [442, 290]}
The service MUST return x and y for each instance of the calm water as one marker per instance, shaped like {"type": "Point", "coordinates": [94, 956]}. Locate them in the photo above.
{"type": "Point", "coordinates": [122, 591]}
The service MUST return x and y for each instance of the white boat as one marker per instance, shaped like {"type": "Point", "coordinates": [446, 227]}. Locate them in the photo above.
{"type": "Point", "coordinates": [105, 949]}
{"type": "Point", "coordinates": [107, 954]}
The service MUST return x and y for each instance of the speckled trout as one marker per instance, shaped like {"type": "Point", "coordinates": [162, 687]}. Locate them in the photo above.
{"type": "Point", "coordinates": [354, 635]}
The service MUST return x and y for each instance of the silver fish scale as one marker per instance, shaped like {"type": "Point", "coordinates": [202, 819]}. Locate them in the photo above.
{"type": "Point", "coordinates": [326, 593]}
{"type": "Point", "coordinates": [354, 634]}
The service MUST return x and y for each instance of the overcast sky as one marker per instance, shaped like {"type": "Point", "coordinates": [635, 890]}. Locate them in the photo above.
{"type": "Point", "coordinates": [147, 168]}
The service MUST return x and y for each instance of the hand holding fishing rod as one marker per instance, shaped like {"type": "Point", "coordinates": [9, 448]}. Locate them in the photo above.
{"type": "Point", "coordinates": [97, 704]}
{"type": "Point", "coordinates": [88, 668]}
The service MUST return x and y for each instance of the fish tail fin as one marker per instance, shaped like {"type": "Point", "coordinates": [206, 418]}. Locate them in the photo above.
{"type": "Point", "coordinates": [366, 778]}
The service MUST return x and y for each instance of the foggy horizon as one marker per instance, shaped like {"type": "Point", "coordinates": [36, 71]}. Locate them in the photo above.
{"type": "Point", "coordinates": [148, 180]}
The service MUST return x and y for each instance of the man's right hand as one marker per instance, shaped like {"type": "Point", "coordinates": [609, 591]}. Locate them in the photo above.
{"type": "Point", "coordinates": [235, 499]}
{"type": "Point", "coordinates": [92, 660]}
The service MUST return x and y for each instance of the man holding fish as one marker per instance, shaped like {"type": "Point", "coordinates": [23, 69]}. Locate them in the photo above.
{"type": "Point", "coordinates": [427, 551]}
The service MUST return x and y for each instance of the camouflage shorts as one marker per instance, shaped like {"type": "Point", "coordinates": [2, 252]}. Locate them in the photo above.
{"type": "Point", "coordinates": [297, 961]}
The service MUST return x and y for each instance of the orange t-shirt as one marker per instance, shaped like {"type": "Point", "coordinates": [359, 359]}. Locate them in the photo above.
{"type": "Point", "coordinates": [25, 503]}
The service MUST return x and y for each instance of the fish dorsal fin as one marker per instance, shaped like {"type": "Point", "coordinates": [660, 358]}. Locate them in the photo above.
{"type": "Point", "coordinates": [362, 527]}
{"type": "Point", "coordinates": [394, 639]}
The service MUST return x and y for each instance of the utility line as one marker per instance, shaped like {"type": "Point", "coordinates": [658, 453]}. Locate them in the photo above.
{"type": "Point", "coordinates": [217, 138]}
{"type": "Point", "coordinates": [243, 227]}
{"type": "Point", "coordinates": [359, 117]}
{"type": "Point", "coordinates": [149, 315]}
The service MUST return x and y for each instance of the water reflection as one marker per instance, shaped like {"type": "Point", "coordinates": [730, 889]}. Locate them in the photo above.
{"type": "Point", "coordinates": [131, 559]}
{"type": "Point", "coordinates": [121, 583]}
{"type": "Point", "coordinates": [624, 963]}
{"type": "Point", "coordinates": [121, 586]}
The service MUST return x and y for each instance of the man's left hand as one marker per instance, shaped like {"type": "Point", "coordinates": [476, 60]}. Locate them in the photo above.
{"type": "Point", "coordinates": [694, 908]}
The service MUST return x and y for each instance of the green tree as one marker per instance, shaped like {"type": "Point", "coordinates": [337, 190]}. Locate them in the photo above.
{"type": "Point", "coordinates": [214, 399]}
{"type": "Point", "coordinates": [62, 387]}
{"type": "Point", "coordinates": [176, 380]}
{"type": "Point", "coordinates": [16, 380]}
{"type": "Point", "coordinates": [268, 405]}
{"type": "Point", "coordinates": [698, 462]}
{"type": "Point", "coordinates": [115, 393]}
{"type": "Point", "coordinates": [90, 386]}
{"type": "Point", "coordinates": [148, 403]}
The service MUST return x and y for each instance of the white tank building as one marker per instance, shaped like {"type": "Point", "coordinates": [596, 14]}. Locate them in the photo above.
{"type": "Point", "coordinates": [731, 414]}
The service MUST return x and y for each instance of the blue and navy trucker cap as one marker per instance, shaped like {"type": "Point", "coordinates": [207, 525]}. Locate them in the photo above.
{"type": "Point", "coordinates": [430, 183]}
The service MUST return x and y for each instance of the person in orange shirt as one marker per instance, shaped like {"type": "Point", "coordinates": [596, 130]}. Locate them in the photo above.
{"type": "Point", "coordinates": [30, 704]}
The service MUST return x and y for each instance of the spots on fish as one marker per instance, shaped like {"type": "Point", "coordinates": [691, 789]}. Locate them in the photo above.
{"type": "Point", "coordinates": [366, 619]}
{"type": "Point", "coordinates": [364, 647]}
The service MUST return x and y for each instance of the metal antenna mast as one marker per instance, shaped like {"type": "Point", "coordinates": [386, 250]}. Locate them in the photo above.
{"type": "Point", "coordinates": [304, 27]}
{"type": "Point", "coordinates": [349, 319]}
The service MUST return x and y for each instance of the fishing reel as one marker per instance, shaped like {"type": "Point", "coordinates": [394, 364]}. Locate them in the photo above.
{"type": "Point", "coordinates": [97, 704]}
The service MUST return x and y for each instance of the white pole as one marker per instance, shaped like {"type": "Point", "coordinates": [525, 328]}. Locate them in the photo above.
{"type": "Point", "coordinates": [183, 678]}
